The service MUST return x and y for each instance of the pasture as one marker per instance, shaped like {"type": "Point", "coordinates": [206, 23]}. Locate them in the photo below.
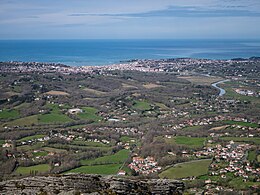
{"type": "Point", "coordinates": [117, 158]}
{"type": "Point", "coordinates": [9, 114]}
{"type": "Point", "coordinates": [54, 118]}
{"type": "Point", "coordinates": [89, 113]}
{"type": "Point", "coordinates": [192, 142]}
{"type": "Point", "coordinates": [42, 168]}
{"type": "Point", "coordinates": [142, 105]}
{"type": "Point", "coordinates": [25, 121]}
{"type": "Point", "coordinates": [109, 169]}
{"type": "Point", "coordinates": [187, 169]}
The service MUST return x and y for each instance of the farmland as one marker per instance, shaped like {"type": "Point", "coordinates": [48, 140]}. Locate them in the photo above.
{"type": "Point", "coordinates": [42, 168]}
{"type": "Point", "coordinates": [117, 158]}
{"type": "Point", "coordinates": [54, 118]}
{"type": "Point", "coordinates": [25, 121]}
{"type": "Point", "coordinates": [187, 141]}
{"type": "Point", "coordinates": [142, 105]}
{"type": "Point", "coordinates": [89, 113]}
{"type": "Point", "coordinates": [109, 169]}
{"type": "Point", "coordinates": [8, 114]}
{"type": "Point", "coordinates": [188, 169]}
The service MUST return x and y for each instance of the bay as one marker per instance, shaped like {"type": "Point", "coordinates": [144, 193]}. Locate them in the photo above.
{"type": "Point", "coordinates": [104, 52]}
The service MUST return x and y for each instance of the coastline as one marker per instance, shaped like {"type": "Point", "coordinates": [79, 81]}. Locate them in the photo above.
{"type": "Point", "coordinates": [164, 65]}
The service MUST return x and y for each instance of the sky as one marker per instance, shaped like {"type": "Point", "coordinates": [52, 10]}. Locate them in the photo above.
{"type": "Point", "coordinates": [129, 19]}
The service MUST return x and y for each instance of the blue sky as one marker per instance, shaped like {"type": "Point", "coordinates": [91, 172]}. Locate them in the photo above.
{"type": "Point", "coordinates": [129, 19]}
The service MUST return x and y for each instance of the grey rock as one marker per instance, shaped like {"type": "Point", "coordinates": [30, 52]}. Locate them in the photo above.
{"type": "Point", "coordinates": [71, 184]}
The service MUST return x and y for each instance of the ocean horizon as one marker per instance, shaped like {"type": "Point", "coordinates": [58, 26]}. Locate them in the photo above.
{"type": "Point", "coordinates": [110, 51]}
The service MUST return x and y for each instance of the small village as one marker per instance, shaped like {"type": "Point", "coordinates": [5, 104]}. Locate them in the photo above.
{"type": "Point", "coordinates": [144, 166]}
{"type": "Point", "coordinates": [247, 92]}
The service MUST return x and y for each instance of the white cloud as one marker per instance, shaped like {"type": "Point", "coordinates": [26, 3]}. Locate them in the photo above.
{"type": "Point", "coordinates": [114, 18]}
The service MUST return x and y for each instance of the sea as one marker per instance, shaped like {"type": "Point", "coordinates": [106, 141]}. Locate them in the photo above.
{"type": "Point", "coordinates": [105, 52]}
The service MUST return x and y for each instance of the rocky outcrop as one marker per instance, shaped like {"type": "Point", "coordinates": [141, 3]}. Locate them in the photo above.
{"type": "Point", "coordinates": [90, 184]}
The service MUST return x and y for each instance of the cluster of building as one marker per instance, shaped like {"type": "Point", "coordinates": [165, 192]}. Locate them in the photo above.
{"type": "Point", "coordinates": [246, 92]}
{"type": "Point", "coordinates": [220, 106]}
{"type": "Point", "coordinates": [144, 166]}
{"type": "Point", "coordinates": [34, 140]}
{"type": "Point", "coordinates": [231, 158]}
{"type": "Point", "coordinates": [208, 121]}
{"type": "Point", "coordinates": [235, 157]}
{"type": "Point", "coordinates": [129, 131]}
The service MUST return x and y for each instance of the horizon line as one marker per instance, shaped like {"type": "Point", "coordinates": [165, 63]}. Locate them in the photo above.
{"type": "Point", "coordinates": [175, 39]}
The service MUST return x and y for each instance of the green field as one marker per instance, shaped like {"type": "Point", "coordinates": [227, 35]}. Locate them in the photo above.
{"type": "Point", "coordinates": [33, 137]}
{"type": "Point", "coordinates": [23, 105]}
{"type": "Point", "coordinates": [86, 143]}
{"type": "Point", "coordinates": [78, 147]}
{"type": "Point", "coordinates": [107, 165]}
{"type": "Point", "coordinates": [56, 108]}
{"type": "Point", "coordinates": [188, 169]}
{"type": "Point", "coordinates": [187, 141]}
{"type": "Point", "coordinates": [54, 118]}
{"type": "Point", "coordinates": [40, 153]}
{"type": "Point", "coordinates": [255, 140]}
{"type": "Point", "coordinates": [16, 89]}
{"type": "Point", "coordinates": [9, 114]}
{"type": "Point", "coordinates": [110, 169]}
{"type": "Point", "coordinates": [126, 139]}
{"type": "Point", "coordinates": [252, 155]}
{"type": "Point", "coordinates": [192, 128]}
{"type": "Point", "coordinates": [89, 113]}
{"type": "Point", "coordinates": [26, 121]}
{"type": "Point", "coordinates": [258, 158]}
{"type": "Point", "coordinates": [117, 158]}
{"type": "Point", "coordinates": [55, 115]}
{"type": "Point", "coordinates": [24, 148]}
{"type": "Point", "coordinates": [35, 146]}
{"type": "Point", "coordinates": [142, 105]}
{"type": "Point", "coordinates": [2, 142]}
{"type": "Point", "coordinates": [162, 106]}
{"type": "Point", "coordinates": [55, 150]}
{"type": "Point", "coordinates": [246, 124]}
{"type": "Point", "coordinates": [42, 168]}
{"type": "Point", "coordinates": [238, 183]}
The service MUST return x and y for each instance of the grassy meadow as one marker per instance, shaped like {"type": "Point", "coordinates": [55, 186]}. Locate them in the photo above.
{"type": "Point", "coordinates": [187, 169]}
